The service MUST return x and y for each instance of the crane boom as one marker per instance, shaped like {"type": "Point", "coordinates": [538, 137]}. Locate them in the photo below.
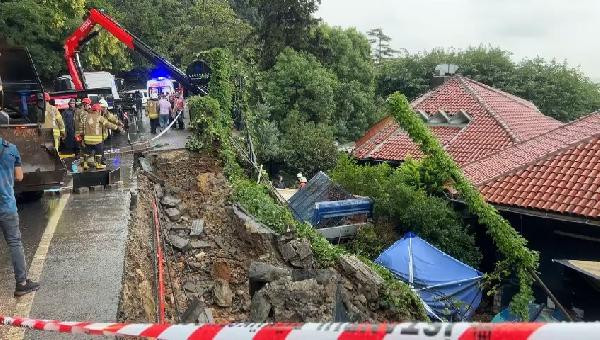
{"type": "Point", "coordinates": [97, 17]}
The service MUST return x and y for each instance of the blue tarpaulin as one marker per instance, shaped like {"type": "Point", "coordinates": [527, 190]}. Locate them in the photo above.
{"type": "Point", "coordinates": [449, 288]}
{"type": "Point", "coordinates": [350, 207]}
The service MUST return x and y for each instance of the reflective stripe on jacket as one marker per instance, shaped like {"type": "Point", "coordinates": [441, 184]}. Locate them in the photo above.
{"type": "Point", "coordinates": [94, 125]}
{"type": "Point", "coordinates": [152, 109]}
{"type": "Point", "coordinates": [54, 120]}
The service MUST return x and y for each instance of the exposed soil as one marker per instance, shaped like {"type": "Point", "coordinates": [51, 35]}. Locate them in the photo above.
{"type": "Point", "coordinates": [212, 249]}
{"type": "Point", "coordinates": [137, 302]}
{"type": "Point", "coordinates": [200, 183]}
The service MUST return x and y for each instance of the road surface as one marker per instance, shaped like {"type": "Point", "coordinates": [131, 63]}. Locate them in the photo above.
{"type": "Point", "coordinates": [75, 246]}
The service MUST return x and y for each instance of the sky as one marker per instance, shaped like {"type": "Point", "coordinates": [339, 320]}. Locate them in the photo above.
{"type": "Point", "coordinates": [560, 29]}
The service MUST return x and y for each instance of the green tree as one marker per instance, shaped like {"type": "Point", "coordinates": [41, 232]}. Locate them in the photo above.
{"type": "Point", "coordinates": [281, 24]}
{"type": "Point", "coordinates": [409, 208]}
{"type": "Point", "coordinates": [42, 27]}
{"type": "Point", "coordinates": [299, 82]}
{"type": "Point", "coordinates": [308, 148]}
{"type": "Point", "coordinates": [558, 90]}
{"type": "Point", "coordinates": [347, 53]}
{"type": "Point", "coordinates": [381, 45]}
{"type": "Point", "coordinates": [207, 24]}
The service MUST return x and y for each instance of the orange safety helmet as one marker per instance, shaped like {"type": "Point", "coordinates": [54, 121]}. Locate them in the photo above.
{"type": "Point", "coordinates": [86, 100]}
{"type": "Point", "coordinates": [96, 107]}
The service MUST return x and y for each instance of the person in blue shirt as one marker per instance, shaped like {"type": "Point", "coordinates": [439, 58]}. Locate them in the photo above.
{"type": "Point", "coordinates": [11, 171]}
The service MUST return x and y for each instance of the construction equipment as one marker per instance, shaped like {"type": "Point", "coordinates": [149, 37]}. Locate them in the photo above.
{"type": "Point", "coordinates": [194, 84]}
{"type": "Point", "coordinates": [22, 108]}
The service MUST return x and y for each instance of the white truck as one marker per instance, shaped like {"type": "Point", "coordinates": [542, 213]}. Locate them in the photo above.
{"type": "Point", "coordinates": [93, 80]}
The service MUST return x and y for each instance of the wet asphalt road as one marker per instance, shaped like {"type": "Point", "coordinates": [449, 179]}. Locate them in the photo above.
{"type": "Point", "coordinates": [82, 273]}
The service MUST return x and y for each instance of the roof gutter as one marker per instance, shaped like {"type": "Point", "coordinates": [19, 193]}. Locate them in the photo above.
{"type": "Point", "coordinates": [542, 214]}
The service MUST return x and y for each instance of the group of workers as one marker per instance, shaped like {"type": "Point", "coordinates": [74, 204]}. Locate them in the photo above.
{"type": "Point", "coordinates": [83, 127]}
{"type": "Point", "coordinates": [163, 111]}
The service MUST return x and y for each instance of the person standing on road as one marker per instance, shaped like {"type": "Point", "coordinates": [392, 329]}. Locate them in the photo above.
{"type": "Point", "coordinates": [54, 121]}
{"type": "Point", "coordinates": [179, 108]}
{"type": "Point", "coordinates": [11, 171]}
{"type": "Point", "coordinates": [152, 112]}
{"type": "Point", "coordinates": [164, 108]}
{"type": "Point", "coordinates": [93, 126]}
{"type": "Point", "coordinates": [68, 117]}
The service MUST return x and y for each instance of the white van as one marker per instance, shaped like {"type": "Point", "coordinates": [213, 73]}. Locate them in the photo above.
{"type": "Point", "coordinates": [93, 80]}
{"type": "Point", "coordinates": [160, 86]}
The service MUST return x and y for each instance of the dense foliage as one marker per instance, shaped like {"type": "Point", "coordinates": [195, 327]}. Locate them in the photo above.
{"type": "Point", "coordinates": [42, 26]}
{"type": "Point", "coordinates": [513, 247]}
{"type": "Point", "coordinates": [255, 197]}
{"type": "Point", "coordinates": [558, 90]}
{"type": "Point", "coordinates": [400, 201]}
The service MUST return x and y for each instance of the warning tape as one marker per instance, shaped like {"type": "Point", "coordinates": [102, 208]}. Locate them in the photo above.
{"type": "Point", "coordinates": [322, 331]}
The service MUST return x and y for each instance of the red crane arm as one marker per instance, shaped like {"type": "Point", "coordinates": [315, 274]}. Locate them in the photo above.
{"type": "Point", "coordinates": [84, 32]}
{"type": "Point", "coordinates": [95, 17]}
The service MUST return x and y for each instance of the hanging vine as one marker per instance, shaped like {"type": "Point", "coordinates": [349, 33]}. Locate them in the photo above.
{"type": "Point", "coordinates": [512, 246]}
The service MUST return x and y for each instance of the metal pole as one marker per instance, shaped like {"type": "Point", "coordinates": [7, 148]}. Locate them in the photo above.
{"type": "Point", "coordinates": [552, 297]}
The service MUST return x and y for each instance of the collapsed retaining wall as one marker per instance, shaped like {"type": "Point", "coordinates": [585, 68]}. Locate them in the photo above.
{"type": "Point", "coordinates": [224, 266]}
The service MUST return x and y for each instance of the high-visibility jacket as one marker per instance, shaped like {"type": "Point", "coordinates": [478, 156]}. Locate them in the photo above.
{"type": "Point", "coordinates": [112, 118]}
{"type": "Point", "coordinates": [80, 114]}
{"type": "Point", "coordinates": [152, 109]}
{"type": "Point", "coordinates": [54, 120]}
{"type": "Point", "coordinates": [93, 126]}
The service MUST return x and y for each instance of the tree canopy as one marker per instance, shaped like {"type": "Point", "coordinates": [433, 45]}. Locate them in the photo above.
{"type": "Point", "coordinates": [559, 90]}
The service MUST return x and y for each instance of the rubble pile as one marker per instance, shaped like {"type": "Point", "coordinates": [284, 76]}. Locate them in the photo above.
{"type": "Point", "coordinates": [224, 266]}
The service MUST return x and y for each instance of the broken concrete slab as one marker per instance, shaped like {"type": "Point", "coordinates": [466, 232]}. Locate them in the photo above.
{"type": "Point", "coordinates": [197, 227]}
{"type": "Point", "coordinates": [253, 231]}
{"type": "Point", "coordinates": [198, 244]}
{"type": "Point", "coordinates": [174, 214]}
{"type": "Point", "coordinates": [158, 191]}
{"type": "Point", "coordinates": [260, 307]}
{"type": "Point", "coordinates": [222, 293]}
{"type": "Point", "coordinates": [366, 278]}
{"type": "Point", "coordinates": [264, 272]}
{"type": "Point", "coordinates": [178, 242]}
{"type": "Point", "coordinates": [170, 201]}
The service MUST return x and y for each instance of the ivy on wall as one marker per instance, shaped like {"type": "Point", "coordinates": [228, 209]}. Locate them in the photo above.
{"type": "Point", "coordinates": [511, 245]}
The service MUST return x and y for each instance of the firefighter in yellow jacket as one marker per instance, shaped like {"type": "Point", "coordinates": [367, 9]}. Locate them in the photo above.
{"type": "Point", "coordinates": [93, 126]}
{"type": "Point", "coordinates": [152, 112]}
{"type": "Point", "coordinates": [53, 120]}
{"type": "Point", "coordinates": [111, 117]}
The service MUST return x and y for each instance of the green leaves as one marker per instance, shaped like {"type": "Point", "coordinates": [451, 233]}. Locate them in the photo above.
{"type": "Point", "coordinates": [401, 202]}
{"type": "Point", "coordinates": [511, 245]}
{"type": "Point", "coordinates": [560, 91]}
{"type": "Point", "coordinates": [299, 82]}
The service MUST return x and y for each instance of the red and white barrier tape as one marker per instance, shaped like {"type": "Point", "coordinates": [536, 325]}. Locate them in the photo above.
{"type": "Point", "coordinates": [326, 331]}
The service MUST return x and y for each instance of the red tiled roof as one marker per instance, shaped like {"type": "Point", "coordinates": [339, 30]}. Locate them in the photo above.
{"type": "Point", "coordinates": [558, 171]}
{"type": "Point", "coordinates": [499, 120]}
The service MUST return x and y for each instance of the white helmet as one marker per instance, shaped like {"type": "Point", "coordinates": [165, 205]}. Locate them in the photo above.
{"type": "Point", "coordinates": [103, 102]}
{"type": "Point", "coordinates": [299, 175]}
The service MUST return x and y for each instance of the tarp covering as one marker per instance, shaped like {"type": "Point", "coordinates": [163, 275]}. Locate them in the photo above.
{"type": "Point", "coordinates": [330, 209]}
{"type": "Point", "coordinates": [447, 286]}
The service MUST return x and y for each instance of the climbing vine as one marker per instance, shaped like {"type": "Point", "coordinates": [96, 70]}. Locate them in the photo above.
{"type": "Point", "coordinates": [213, 133]}
{"type": "Point", "coordinates": [509, 242]}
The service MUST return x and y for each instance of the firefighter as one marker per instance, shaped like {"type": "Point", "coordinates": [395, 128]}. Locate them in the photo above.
{"type": "Point", "coordinates": [80, 114]}
{"type": "Point", "coordinates": [152, 112]}
{"type": "Point", "coordinates": [93, 126]}
{"type": "Point", "coordinates": [111, 117]}
{"type": "Point", "coordinates": [54, 120]}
